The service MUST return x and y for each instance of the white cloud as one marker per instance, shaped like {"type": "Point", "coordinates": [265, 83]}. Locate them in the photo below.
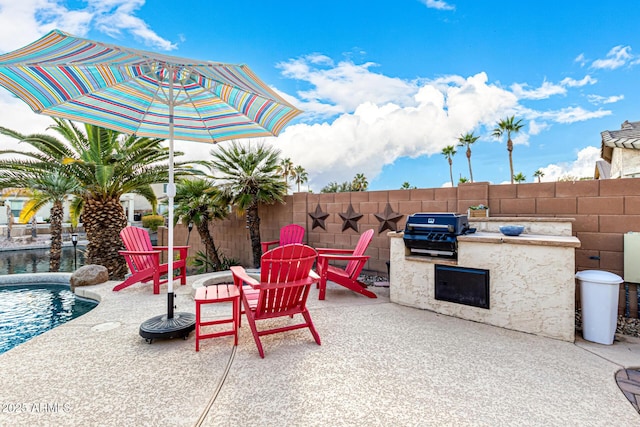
{"type": "Point", "coordinates": [567, 115]}
{"type": "Point", "coordinates": [616, 58]}
{"type": "Point", "coordinates": [24, 21]}
{"type": "Point", "coordinates": [582, 167]}
{"type": "Point", "coordinates": [535, 127]}
{"type": "Point", "coordinates": [376, 134]}
{"type": "Point", "coordinates": [546, 90]}
{"type": "Point", "coordinates": [438, 4]}
{"type": "Point", "coordinates": [580, 59]}
{"type": "Point", "coordinates": [344, 86]}
{"type": "Point", "coordinates": [597, 99]}
{"type": "Point", "coordinates": [586, 80]}
{"type": "Point", "coordinates": [114, 16]}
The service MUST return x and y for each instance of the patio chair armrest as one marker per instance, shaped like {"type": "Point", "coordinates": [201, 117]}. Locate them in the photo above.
{"type": "Point", "coordinates": [139, 252]}
{"type": "Point", "coordinates": [333, 251]}
{"type": "Point", "coordinates": [309, 280]}
{"type": "Point", "coordinates": [240, 275]}
{"type": "Point", "coordinates": [331, 257]}
{"type": "Point", "coordinates": [175, 248]}
{"type": "Point", "coordinates": [265, 245]}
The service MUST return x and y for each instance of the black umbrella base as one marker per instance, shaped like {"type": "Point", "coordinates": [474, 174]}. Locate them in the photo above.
{"type": "Point", "coordinates": [161, 327]}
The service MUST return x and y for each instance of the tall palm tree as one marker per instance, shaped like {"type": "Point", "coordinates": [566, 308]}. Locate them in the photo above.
{"type": "Point", "coordinates": [538, 174]}
{"type": "Point", "coordinates": [449, 151]}
{"type": "Point", "coordinates": [519, 177]}
{"type": "Point", "coordinates": [199, 202]}
{"type": "Point", "coordinates": [285, 168]}
{"type": "Point", "coordinates": [359, 183]}
{"type": "Point", "coordinates": [508, 126]}
{"type": "Point", "coordinates": [407, 186]}
{"type": "Point", "coordinates": [105, 164]}
{"type": "Point", "coordinates": [248, 175]}
{"type": "Point", "coordinates": [466, 141]}
{"type": "Point", "coordinates": [300, 176]}
{"type": "Point", "coordinates": [47, 186]}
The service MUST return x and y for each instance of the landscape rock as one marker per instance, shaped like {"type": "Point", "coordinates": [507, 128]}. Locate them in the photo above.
{"type": "Point", "coordinates": [88, 275]}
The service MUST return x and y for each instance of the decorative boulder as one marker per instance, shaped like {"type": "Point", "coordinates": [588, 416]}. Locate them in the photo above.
{"type": "Point", "coordinates": [88, 275]}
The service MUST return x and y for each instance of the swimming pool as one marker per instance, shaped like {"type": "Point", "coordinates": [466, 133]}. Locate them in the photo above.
{"type": "Point", "coordinates": [28, 310]}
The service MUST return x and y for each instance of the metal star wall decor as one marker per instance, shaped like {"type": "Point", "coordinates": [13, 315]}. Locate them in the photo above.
{"type": "Point", "coordinates": [318, 218]}
{"type": "Point", "coordinates": [388, 219]}
{"type": "Point", "coordinates": [350, 219]}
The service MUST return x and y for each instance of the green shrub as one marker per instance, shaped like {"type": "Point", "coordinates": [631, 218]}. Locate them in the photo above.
{"type": "Point", "coordinates": [152, 222]}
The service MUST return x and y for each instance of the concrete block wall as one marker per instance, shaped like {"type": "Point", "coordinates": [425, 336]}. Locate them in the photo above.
{"type": "Point", "coordinates": [604, 210]}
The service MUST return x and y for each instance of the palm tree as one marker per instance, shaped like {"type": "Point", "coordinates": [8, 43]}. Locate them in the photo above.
{"type": "Point", "coordinates": [105, 164]}
{"type": "Point", "coordinates": [507, 125]}
{"type": "Point", "coordinates": [449, 151]}
{"type": "Point", "coordinates": [359, 183]}
{"type": "Point", "coordinates": [538, 174]}
{"type": "Point", "coordinates": [519, 177]}
{"type": "Point", "coordinates": [407, 186]}
{"type": "Point", "coordinates": [300, 176]}
{"type": "Point", "coordinates": [47, 186]}
{"type": "Point", "coordinates": [199, 202]}
{"type": "Point", "coordinates": [286, 170]}
{"type": "Point", "coordinates": [466, 141]}
{"type": "Point", "coordinates": [248, 175]}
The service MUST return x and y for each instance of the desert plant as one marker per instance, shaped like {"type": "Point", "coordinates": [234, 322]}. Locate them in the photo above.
{"type": "Point", "coordinates": [153, 221]}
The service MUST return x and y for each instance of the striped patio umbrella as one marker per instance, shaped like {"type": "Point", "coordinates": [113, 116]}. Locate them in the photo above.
{"type": "Point", "coordinates": [143, 93]}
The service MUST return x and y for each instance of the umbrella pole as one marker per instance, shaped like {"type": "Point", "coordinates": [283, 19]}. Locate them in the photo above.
{"type": "Point", "coordinates": [171, 192]}
{"type": "Point", "coordinates": [168, 326]}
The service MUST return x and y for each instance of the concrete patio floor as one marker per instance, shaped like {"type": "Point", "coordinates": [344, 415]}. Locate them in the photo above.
{"type": "Point", "coordinates": [379, 364]}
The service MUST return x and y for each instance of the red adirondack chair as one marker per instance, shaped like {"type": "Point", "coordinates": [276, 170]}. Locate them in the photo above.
{"type": "Point", "coordinates": [285, 281]}
{"type": "Point", "coordinates": [143, 259]}
{"type": "Point", "coordinates": [348, 276]}
{"type": "Point", "coordinates": [292, 233]}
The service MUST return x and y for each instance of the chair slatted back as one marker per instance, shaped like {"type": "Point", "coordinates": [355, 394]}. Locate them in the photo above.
{"type": "Point", "coordinates": [354, 267]}
{"type": "Point", "coordinates": [284, 265]}
{"type": "Point", "coordinates": [137, 239]}
{"type": "Point", "coordinates": [292, 233]}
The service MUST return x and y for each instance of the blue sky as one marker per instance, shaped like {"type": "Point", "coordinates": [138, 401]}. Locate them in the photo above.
{"type": "Point", "coordinates": [386, 85]}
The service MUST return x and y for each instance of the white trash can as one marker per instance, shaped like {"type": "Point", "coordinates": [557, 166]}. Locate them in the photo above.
{"type": "Point", "coordinates": [599, 291]}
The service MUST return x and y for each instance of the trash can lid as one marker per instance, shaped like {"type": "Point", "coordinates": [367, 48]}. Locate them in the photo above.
{"type": "Point", "coordinates": [599, 276]}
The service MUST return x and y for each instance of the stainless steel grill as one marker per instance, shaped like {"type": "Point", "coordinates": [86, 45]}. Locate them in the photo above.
{"type": "Point", "coordinates": [435, 234]}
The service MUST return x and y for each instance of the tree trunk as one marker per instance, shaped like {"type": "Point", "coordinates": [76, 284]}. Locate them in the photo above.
{"type": "Point", "coordinates": [103, 220]}
{"type": "Point", "coordinates": [253, 222]}
{"type": "Point", "coordinates": [469, 160]}
{"type": "Point", "coordinates": [205, 236]}
{"type": "Point", "coordinates": [451, 171]}
{"type": "Point", "coordinates": [510, 149]}
{"type": "Point", "coordinates": [56, 236]}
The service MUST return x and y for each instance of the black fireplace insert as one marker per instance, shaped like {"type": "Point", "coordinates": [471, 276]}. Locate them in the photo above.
{"type": "Point", "coordinates": [469, 286]}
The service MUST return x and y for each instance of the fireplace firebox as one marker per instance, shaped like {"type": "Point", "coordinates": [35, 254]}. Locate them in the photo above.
{"type": "Point", "coordinates": [468, 286]}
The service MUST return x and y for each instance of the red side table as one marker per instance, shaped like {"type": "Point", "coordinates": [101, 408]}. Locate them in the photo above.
{"type": "Point", "coordinates": [215, 294]}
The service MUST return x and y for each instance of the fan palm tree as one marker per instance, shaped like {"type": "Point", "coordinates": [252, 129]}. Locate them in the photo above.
{"type": "Point", "coordinates": [47, 186]}
{"type": "Point", "coordinates": [519, 177]}
{"type": "Point", "coordinates": [466, 141]}
{"type": "Point", "coordinates": [249, 175]}
{"type": "Point", "coordinates": [285, 169]}
{"type": "Point", "coordinates": [508, 126]}
{"type": "Point", "coordinates": [359, 183]}
{"type": "Point", "coordinates": [300, 176]}
{"type": "Point", "coordinates": [538, 174]}
{"type": "Point", "coordinates": [105, 164]}
{"type": "Point", "coordinates": [407, 186]}
{"type": "Point", "coordinates": [199, 202]}
{"type": "Point", "coordinates": [449, 151]}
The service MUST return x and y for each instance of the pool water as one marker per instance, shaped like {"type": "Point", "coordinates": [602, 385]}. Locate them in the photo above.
{"type": "Point", "coordinates": [29, 310]}
{"type": "Point", "coordinates": [37, 260]}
